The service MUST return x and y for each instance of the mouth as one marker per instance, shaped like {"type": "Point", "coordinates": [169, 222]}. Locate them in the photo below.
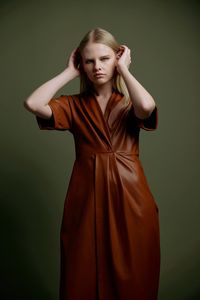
{"type": "Point", "coordinates": [99, 75]}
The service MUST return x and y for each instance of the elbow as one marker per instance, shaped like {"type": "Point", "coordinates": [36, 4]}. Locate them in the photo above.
{"type": "Point", "coordinates": [146, 110]}
{"type": "Point", "coordinates": [150, 108]}
{"type": "Point", "coordinates": [29, 106]}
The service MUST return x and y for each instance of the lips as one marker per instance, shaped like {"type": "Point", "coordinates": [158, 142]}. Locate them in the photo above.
{"type": "Point", "coordinates": [99, 74]}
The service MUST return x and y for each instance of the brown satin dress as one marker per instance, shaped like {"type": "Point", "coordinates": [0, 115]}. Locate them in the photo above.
{"type": "Point", "coordinates": [109, 238]}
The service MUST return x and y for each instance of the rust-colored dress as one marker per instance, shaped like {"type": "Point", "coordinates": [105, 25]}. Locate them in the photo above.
{"type": "Point", "coordinates": [110, 240]}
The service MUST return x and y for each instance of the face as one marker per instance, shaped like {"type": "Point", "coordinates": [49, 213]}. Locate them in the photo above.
{"type": "Point", "coordinates": [99, 62]}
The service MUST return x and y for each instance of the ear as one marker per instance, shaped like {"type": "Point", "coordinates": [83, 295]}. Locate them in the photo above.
{"type": "Point", "coordinates": [120, 52]}
{"type": "Point", "coordinates": [117, 55]}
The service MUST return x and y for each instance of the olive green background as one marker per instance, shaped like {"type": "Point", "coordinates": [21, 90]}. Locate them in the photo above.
{"type": "Point", "coordinates": [36, 40]}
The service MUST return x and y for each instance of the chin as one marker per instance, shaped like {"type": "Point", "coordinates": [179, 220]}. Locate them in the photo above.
{"type": "Point", "coordinates": [102, 80]}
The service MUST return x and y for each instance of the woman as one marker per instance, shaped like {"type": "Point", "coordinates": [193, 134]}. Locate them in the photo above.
{"type": "Point", "coordinates": [110, 245]}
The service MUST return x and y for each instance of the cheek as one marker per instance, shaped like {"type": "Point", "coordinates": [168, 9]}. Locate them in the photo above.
{"type": "Point", "coordinates": [112, 66]}
{"type": "Point", "coordinates": [87, 68]}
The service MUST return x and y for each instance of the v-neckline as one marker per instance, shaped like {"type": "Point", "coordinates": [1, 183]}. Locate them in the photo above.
{"type": "Point", "coordinates": [104, 115]}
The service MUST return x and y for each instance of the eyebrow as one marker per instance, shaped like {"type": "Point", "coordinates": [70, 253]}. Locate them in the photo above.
{"type": "Point", "coordinates": [100, 57]}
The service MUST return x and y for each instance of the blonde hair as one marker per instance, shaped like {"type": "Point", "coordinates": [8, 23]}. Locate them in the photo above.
{"type": "Point", "coordinates": [99, 35]}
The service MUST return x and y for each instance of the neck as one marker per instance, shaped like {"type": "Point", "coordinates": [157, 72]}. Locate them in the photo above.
{"type": "Point", "coordinates": [104, 90]}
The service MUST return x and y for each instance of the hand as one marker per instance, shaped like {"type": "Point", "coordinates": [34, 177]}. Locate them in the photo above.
{"type": "Point", "coordinates": [123, 58]}
{"type": "Point", "coordinates": [74, 62]}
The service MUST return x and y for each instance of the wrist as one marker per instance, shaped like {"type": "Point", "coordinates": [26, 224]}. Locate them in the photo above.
{"type": "Point", "coordinates": [122, 69]}
{"type": "Point", "coordinates": [70, 73]}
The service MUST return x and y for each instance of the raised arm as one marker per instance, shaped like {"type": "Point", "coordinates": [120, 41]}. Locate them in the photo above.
{"type": "Point", "coordinates": [37, 102]}
{"type": "Point", "coordinates": [143, 102]}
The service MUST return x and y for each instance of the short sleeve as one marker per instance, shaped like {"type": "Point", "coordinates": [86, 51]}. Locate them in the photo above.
{"type": "Point", "coordinates": [61, 118]}
{"type": "Point", "coordinates": [150, 123]}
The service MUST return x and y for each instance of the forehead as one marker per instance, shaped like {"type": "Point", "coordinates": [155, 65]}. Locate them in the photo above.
{"type": "Point", "coordinates": [96, 49]}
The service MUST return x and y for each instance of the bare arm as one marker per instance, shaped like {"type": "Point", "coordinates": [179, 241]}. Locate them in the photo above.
{"type": "Point", "coordinates": [143, 102]}
{"type": "Point", "coordinates": [37, 102]}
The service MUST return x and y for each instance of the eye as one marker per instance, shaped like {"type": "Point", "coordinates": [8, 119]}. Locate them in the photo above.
{"type": "Point", "coordinates": [105, 58]}
{"type": "Point", "coordinates": [88, 61]}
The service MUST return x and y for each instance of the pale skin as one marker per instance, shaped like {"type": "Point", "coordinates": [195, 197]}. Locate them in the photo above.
{"type": "Point", "coordinates": [96, 58]}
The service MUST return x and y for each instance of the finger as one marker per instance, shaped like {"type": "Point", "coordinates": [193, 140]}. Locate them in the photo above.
{"type": "Point", "coordinates": [127, 50]}
{"type": "Point", "coordinates": [125, 47]}
{"type": "Point", "coordinates": [122, 48]}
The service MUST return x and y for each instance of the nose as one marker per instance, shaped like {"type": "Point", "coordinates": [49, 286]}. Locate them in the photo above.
{"type": "Point", "coordinates": [97, 65]}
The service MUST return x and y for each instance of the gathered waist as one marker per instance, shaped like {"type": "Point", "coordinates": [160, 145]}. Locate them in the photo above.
{"type": "Point", "coordinates": [89, 152]}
